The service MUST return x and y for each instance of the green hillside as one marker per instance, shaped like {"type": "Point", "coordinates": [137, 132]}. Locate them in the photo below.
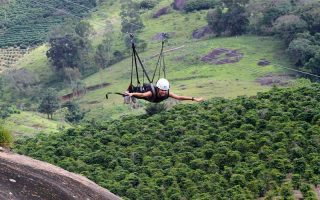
{"type": "Point", "coordinates": [26, 22]}
{"type": "Point", "coordinates": [246, 148]}
{"type": "Point", "coordinates": [256, 135]}
{"type": "Point", "coordinates": [187, 73]}
{"type": "Point", "coordinates": [191, 76]}
{"type": "Point", "coordinates": [185, 70]}
{"type": "Point", "coordinates": [30, 123]}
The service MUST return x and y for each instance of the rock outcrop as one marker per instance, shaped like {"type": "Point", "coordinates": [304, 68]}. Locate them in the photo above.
{"type": "Point", "coordinates": [24, 178]}
{"type": "Point", "coordinates": [202, 32]}
{"type": "Point", "coordinates": [162, 11]}
{"type": "Point", "coordinates": [179, 4]}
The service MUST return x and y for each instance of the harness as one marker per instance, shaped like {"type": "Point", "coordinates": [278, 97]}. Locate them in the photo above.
{"type": "Point", "coordinates": [155, 98]}
{"type": "Point", "coordinates": [145, 87]}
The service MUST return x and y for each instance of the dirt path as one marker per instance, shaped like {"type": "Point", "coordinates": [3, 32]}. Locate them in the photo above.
{"type": "Point", "coordinates": [317, 191]}
{"type": "Point", "coordinates": [70, 96]}
{"type": "Point", "coordinates": [25, 178]}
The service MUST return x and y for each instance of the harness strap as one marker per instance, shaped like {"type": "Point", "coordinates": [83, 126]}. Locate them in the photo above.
{"type": "Point", "coordinates": [159, 61]}
{"type": "Point", "coordinates": [131, 68]}
{"type": "Point", "coordinates": [144, 70]}
{"type": "Point", "coordinates": [153, 91]}
{"type": "Point", "coordinates": [135, 62]}
{"type": "Point", "coordinates": [164, 67]}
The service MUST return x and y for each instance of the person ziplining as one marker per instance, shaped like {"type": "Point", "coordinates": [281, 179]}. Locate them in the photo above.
{"type": "Point", "coordinates": [148, 91]}
{"type": "Point", "coordinates": [160, 93]}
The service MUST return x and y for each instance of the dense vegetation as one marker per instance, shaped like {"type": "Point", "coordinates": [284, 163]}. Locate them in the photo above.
{"type": "Point", "coordinates": [249, 147]}
{"type": "Point", "coordinates": [295, 22]}
{"type": "Point", "coordinates": [26, 22]}
{"type": "Point", "coordinates": [7, 110]}
{"type": "Point", "coordinates": [5, 137]}
{"type": "Point", "coordinates": [262, 146]}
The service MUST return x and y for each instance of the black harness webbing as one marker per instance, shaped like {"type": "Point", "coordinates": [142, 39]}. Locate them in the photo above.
{"type": "Point", "coordinates": [136, 56]}
{"type": "Point", "coordinates": [135, 60]}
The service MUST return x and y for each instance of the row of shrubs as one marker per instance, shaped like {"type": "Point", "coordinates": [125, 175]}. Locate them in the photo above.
{"type": "Point", "coordinates": [246, 148]}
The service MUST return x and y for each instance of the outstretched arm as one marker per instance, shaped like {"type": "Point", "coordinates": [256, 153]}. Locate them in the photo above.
{"type": "Point", "coordinates": [197, 99]}
{"type": "Point", "coordinates": [138, 94]}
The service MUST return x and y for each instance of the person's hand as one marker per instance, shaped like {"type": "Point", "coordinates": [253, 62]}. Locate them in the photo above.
{"type": "Point", "coordinates": [198, 99]}
{"type": "Point", "coordinates": [128, 93]}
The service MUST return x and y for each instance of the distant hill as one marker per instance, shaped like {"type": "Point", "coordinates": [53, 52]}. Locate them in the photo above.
{"type": "Point", "coordinates": [27, 22]}
{"type": "Point", "coordinates": [250, 147]}
{"type": "Point", "coordinates": [221, 74]}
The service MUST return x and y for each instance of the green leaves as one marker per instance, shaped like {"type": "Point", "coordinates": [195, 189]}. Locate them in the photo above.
{"type": "Point", "coordinates": [6, 137]}
{"type": "Point", "coordinates": [243, 148]}
{"type": "Point", "coordinates": [26, 23]}
{"type": "Point", "coordinates": [49, 102]}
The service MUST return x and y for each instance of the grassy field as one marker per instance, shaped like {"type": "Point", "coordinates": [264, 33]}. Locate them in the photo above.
{"type": "Point", "coordinates": [185, 70]}
{"type": "Point", "coordinates": [30, 123]}
{"type": "Point", "coordinates": [191, 76]}
{"type": "Point", "coordinates": [36, 61]}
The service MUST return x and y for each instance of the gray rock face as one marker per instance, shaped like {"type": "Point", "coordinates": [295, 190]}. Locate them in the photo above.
{"type": "Point", "coordinates": [162, 11]}
{"type": "Point", "coordinates": [263, 62]}
{"type": "Point", "coordinates": [179, 4]}
{"type": "Point", "coordinates": [23, 178]}
{"type": "Point", "coordinates": [201, 32]}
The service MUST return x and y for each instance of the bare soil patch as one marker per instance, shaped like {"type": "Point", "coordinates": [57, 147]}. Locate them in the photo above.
{"type": "Point", "coordinates": [317, 190]}
{"type": "Point", "coordinates": [75, 94]}
{"type": "Point", "coordinates": [297, 194]}
{"type": "Point", "coordinates": [222, 56]}
{"type": "Point", "coordinates": [275, 79]}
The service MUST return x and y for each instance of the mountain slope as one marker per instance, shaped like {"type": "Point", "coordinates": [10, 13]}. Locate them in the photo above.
{"type": "Point", "coordinates": [188, 73]}
{"type": "Point", "coordinates": [25, 22]}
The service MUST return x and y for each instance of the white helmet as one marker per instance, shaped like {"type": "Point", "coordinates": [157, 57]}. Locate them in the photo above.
{"type": "Point", "coordinates": [163, 84]}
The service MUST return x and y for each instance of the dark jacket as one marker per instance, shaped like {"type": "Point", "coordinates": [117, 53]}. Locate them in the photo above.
{"type": "Point", "coordinates": [146, 88]}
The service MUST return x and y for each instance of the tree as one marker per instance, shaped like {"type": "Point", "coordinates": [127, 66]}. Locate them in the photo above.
{"type": "Point", "coordinates": [64, 52]}
{"type": "Point", "coordinates": [237, 21]}
{"type": "Point", "coordinates": [214, 18]}
{"type": "Point", "coordinates": [286, 191]}
{"type": "Point", "coordinates": [83, 29]}
{"type": "Point", "coordinates": [23, 82]}
{"type": "Point", "coordinates": [262, 14]}
{"type": "Point", "coordinates": [287, 26]}
{"type": "Point", "coordinates": [314, 62]}
{"type": "Point", "coordinates": [103, 53]}
{"type": "Point", "coordinates": [148, 4]}
{"type": "Point", "coordinates": [49, 103]}
{"type": "Point", "coordinates": [238, 179]}
{"type": "Point", "coordinates": [310, 12]}
{"type": "Point", "coordinates": [300, 51]}
{"type": "Point", "coordinates": [154, 108]}
{"type": "Point", "coordinates": [74, 114]}
{"type": "Point", "coordinates": [192, 5]}
{"type": "Point", "coordinates": [296, 181]}
{"type": "Point", "coordinates": [233, 3]}
{"type": "Point", "coordinates": [232, 22]}
{"type": "Point", "coordinates": [70, 47]}
{"type": "Point", "coordinates": [2, 86]}
{"type": "Point", "coordinates": [274, 10]}
{"type": "Point", "coordinates": [130, 18]}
